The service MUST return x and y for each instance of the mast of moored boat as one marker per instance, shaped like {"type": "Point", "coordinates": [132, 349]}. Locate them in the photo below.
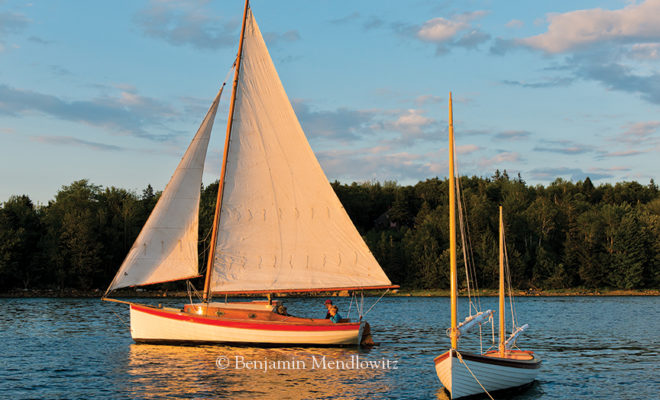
{"type": "Point", "coordinates": [452, 234]}
{"type": "Point", "coordinates": [216, 216]}
{"type": "Point", "coordinates": [502, 329]}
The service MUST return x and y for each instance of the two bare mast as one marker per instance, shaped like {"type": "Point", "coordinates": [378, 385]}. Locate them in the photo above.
{"type": "Point", "coordinates": [453, 275]}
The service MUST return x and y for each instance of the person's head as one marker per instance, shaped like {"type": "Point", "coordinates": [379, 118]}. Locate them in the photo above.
{"type": "Point", "coordinates": [333, 310]}
{"type": "Point", "coordinates": [328, 304]}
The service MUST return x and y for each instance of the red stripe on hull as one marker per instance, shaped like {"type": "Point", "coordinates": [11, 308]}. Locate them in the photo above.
{"type": "Point", "coordinates": [281, 326]}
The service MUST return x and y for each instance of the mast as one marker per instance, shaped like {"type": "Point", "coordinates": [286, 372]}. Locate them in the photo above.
{"type": "Point", "coordinates": [502, 328]}
{"type": "Point", "coordinates": [216, 216]}
{"type": "Point", "coordinates": [452, 233]}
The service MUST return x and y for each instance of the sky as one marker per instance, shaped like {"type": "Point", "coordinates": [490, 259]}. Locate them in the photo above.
{"type": "Point", "coordinates": [114, 91]}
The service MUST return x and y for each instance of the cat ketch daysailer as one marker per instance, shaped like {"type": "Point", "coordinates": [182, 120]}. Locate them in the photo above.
{"type": "Point", "coordinates": [278, 227]}
{"type": "Point", "coordinates": [466, 374]}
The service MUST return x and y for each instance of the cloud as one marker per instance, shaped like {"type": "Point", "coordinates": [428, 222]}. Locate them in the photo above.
{"type": "Point", "coordinates": [186, 22]}
{"type": "Point", "coordinates": [563, 147]}
{"type": "Point", "coordinates": [626, 153]}
{"type": "Point", "coordinates": [128, 114]}
{"type": "Point", "coordinates": [644, 51]}
{"type": "Point", "coordinates": [38, 40]}
{"type": "Point", "coordinates": [438, 30]}
{"type": "Point", "coordinates": [12, 23]}
{"type": "Point", "coordinates": [616, 76]}
{"type": "Point", "coordinates": [467, 149]}
{"type": "Point", "coordinates": [512, 135]}
{"type": "Point", "coordinates": [515, 23]}
{"type": "Point", "coordinates": [575, 174]}
{"type": "Point", "coordinates": [342, 123]}
{"type": "Point", "coordinates": [274, 39]}
{"type": "Point", "coordinates": [71, 141]}
{"type": "Point", "coordinates": [455, 31]}
{"type": "Point", "coordinates": [377, 163]}
{"type": "Point", "coordinates": [582, 28]}
{"type": "Point", "coordinates": [502, 46]}
{"type": "Point", "coordinates": [549, 82]}
{"type": "Point", "coordinates": [427, 99]}
{"type": "Point", "coordinates": [411, 121]}
{"type": "Point", "coordinates": [503, 157]}
{"type": "Point", "coordinates": [373, 23]}
{"type": "Point", "coordinates": [347, 19]}
{"type": "Point", "coordinates": [639, 132]}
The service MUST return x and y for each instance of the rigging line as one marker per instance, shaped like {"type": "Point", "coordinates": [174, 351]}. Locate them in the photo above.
{"type": "Point", "coordinates": [122, 321]}
{"type": "Point", "coordinates": [361, 304]}
{"type": "Point", "coordinates": [350, 305]}
{"type": "Point", "coordinates": [460, 358]}
{"type": "Point", "coordinates": [512, 305]}
{"type": "Point", "coordinates": [463, 234]}
{"type": "Point", "coordinates": [462, 228]}
{"type": "Point", "coordinates": [365, 314]}
{"type": "Point", "coordinates": [508, 279]}
{"type": "Point", "coordinates": [207, 248]}
{"type": "Point", "coordinates": [470, 259]}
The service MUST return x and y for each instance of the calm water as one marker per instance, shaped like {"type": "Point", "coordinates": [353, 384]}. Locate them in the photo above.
{"type": "Point", "coordinates": [607, 347]}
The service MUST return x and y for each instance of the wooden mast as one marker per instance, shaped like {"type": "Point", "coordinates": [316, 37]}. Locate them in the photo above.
{"type": "Point", "coordinates": [221, 184]}
{"type": "Point", "coordinates": [452, 233]}
{"type": "Point", "coordinates": [502, 330]}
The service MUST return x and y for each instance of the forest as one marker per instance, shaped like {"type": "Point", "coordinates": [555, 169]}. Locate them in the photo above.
{"type": "Point", "coordinates": [563, 235]}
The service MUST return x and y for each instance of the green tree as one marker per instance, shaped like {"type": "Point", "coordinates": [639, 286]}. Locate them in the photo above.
{"type": "Point", "coordinates": [21, 232]}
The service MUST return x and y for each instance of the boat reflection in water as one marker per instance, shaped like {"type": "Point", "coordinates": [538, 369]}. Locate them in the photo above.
{"type": "Point", "coordinates": [245, 372]}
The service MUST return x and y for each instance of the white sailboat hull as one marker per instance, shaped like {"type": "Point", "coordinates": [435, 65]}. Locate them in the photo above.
{"type": "Point", "coordinates": [155, 325]}
{"type": "Point", "coordinates": [494, 373]}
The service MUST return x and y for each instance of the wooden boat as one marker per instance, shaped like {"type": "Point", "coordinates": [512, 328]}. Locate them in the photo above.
{"type": "Point", "coordinates": [466, 374]}
{"type": "Point", "coordinates": [278, 227]}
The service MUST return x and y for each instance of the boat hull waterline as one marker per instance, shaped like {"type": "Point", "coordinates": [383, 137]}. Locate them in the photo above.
{"type": "Point", "coordinates": [157, 325]}
{"type": "Point", "coordinates": [494, 373]}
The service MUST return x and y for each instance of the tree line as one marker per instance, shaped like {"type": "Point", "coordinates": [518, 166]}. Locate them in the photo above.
{"type": "Point", "coordinates": [563, 235]}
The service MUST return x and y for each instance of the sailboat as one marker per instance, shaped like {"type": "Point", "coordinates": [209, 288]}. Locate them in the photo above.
{"type": "Point", "coordinates": [466, 374]}
{"type": "Point", "coordinates": [278, 227]}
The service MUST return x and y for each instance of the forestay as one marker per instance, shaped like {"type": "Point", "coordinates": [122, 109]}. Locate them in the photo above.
{"type": "Point", "coordinates": [166, 248]}
{"type": "Point", "coordinates": [281, 225]}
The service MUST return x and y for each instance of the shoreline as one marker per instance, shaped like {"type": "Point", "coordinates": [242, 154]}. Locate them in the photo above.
{"type": "Point", "coordinates": [577, 292]}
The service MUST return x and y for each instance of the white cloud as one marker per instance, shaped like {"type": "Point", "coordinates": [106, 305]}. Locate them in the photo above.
{"type": "Point", "coordinates": [504, 157]}
{"type": "Point", "coordinates": [467, 149]}
{"type": "Point", "coordinates": [440, 29]}
{"type": "Point", "coordinates": [456, 31]}
{"type": "Point", "coordinates": [639, 132]}
{"type": "Point", "coordinates": [412, 121]}
{"type": "Point", "coordinates": [576, 29]}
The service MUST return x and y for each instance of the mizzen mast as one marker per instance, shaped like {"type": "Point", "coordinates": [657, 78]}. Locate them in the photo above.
{"type": "Point", "coordinates": [216, 216]}
{"type": "Point", "coordinates": [452, 233]}
{"type": "Point", "coordinates": [502, 347]}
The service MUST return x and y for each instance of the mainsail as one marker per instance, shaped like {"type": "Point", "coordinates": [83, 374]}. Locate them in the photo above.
{"type": "Point", "coordinates": [166, 248]}
{"type": "Point", "coordinates": [281, 227]}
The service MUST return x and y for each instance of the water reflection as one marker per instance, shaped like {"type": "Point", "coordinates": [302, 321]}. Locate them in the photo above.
{"type": "Point", "coordinates": [79, 348]}
{"type": "Point", "coordinates": [186, 371]}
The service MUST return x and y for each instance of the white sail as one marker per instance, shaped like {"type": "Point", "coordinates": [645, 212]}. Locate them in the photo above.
{"type": "Point", "coordinates": [166, 248]}
{"type": "Point", "coordinates": [281, 225]}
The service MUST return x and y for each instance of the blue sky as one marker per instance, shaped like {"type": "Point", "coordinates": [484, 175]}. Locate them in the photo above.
{"type": "Point", "coordinates": [114, 91]}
